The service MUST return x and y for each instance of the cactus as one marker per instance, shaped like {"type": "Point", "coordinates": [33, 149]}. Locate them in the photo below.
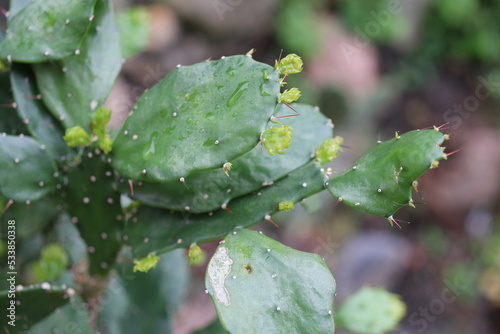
{"type": "Point", "coordinates": [261, 286]}
{"type": "Point", "coordinates": [30, 304]}
{"type": "Point", "coordinates": [156, 230]}
{"type": "Point", "coordinates": [10, 123]}
{"type": "Point", "coordinates": [210, 149]}
{"type": "Point", "coordinates": [380, 182]}
{"type": "Point", "coordinates": [249, 172]}
{"type": "Point", "coordinates": [53, 261]}
{"type": "Point", "coordinates": [371, 311]}
{"type": "Point", "coordinates": [133, 25]}
{"type": "Point", "coordinates": [28, 171]}
{"type": "Point", "coordinates": [131, 308]}
{"type": "Point", "coordinates": [38, 120]}
{"type": "Point", "coordinates": [198, 117]}
{"type": "Point", "coordinates": [46, 30]}
{"type": "Point", "coordinates": [94, 205]}
{"type": "Point", "coordinates": [74, 87]}
{"type": "Point", "coordinates": [70, 318]}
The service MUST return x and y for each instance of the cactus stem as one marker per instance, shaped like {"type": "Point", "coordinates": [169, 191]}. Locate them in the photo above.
{"type": "Point", "coordinates": [9, 203]}
{"type": "Point", "coordinates": [268, 218]}
{"type": "Point", "coordinates": [131, 187]}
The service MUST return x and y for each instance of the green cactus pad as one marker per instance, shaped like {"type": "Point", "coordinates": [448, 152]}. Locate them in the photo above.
{"type": "Point", "coordinates": [131, 308]}
{"type": "Point", "coordinates": [380, 182]}
{"type": "Point", "coordinates": [214, 328]}
{"type": "Point", "coordinates": [27, 169]}
{"type": "Point", "coordinates": [10, 122]}
{"type": "Point", "coordinates": [45, 30]}
{"type": "Point", "coordinates": [71, 318]}
{"type": "Point", "coordinates": [45, 128]}
{"type": "Point", "coordinates": [371, 311]}
{"type": "Point", "coordinates": [73, 88]}
{"type": "Point", "coordinates": [198, 117]}
{"type": "Point", "coordinates": [94, 205]}
{"type": "Point", "coordinates": [259, 285]}
{"type": "Point", "coordinates": [34, 303]}
{"type": "Point", "coordinates": [156, 230]}
{"type": "Point", "coordinates": [208, 190]}
{"type": "Point", "coordinates": [134, 26]}
{"type": "Point", "coordinates": [30, 218]}
{"type": "Point", "coordinates": [53, 261]}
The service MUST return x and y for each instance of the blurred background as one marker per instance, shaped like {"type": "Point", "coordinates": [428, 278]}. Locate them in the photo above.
{"type": "Point", "coordinates": [374, 67]}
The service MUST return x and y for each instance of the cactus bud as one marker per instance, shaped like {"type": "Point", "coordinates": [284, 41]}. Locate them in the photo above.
{"type": "Point", "coordinates": [146, 263]}
{"type": "Point", "coordinates": [289, 65]}
{"type": "Point", "coordinates": [196, 256]}
{"type": "Point", "coordinates": [289, 95]}
{"type": "Point", "coordinates": [286, 206]}
{"type": "Point", "coordinates": [77, 136]}
{"type": "Point", "coordinates": [329, 150]}
{"type": "Point", "coordinates": [277, 139]}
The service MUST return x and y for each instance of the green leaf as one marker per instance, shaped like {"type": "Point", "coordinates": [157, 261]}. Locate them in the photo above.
{"type": "Point", "coordinates": [45, 30]}
{"type": "Point", "coordinates": [145, 303]}
{"type": "Point", "coordinates": [198, 117]}
{"type": "Point", "coordinates": [30, 304]}
{"type": "Point", "coordinates": [31, 218]}
{"type": "Point", "coordinates": [71, 318]}
{"type": "Point", "coordinates": [259, 285]}
{"type": "Point", "coordinates": [133, 24]}
{"type": "Point", "coordinates": [209, 190]}
{"type": "Point", "coordinates": [380, 182]}
{"type": "Point", "coordinates": [74, 87]}
{"type": "Point", "coordinates": [156, 230]}
{"type": "Point", "coordinates": [94, 204]}
{"type": "Point", "coordinates": [214, 328]}
{"type": "Point", "coordinates": [44, 127]}
{"type": "Point", "coordinates": [27, 170]}
{"type": "Point", "coordinates": [10, 123]}
{"type": "Point", "coordinates": [53, 261]}
{"type": "Point", "coordinates": [371, 311]}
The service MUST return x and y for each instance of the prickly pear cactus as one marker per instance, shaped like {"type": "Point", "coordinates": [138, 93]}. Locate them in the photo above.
{"type": "Point", "coordinates": [381, 181]}
{"type": "Point", "coordinates": [249, 172]}
{"type": "Point", "coordinates": [211, 149]}
{"type": "Point", "coordinates": [371, 311]}
{"type": "Point", "coordinates": [45, 30]}
{"type": "Point", "coordinates": [28, 172]}
{"type": "Point", "coordinates": [198, 117]}
{"type": "Point", "coordinates": [74, 87]}
{"type": "Point", "coordinates": [261, 286]}
{"type": "Point", "coordinates": [95, 207]}
{"type": "Point", "coordinates": [156, 230]}
{"type": "Point", "coordinates": [26, 305]}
